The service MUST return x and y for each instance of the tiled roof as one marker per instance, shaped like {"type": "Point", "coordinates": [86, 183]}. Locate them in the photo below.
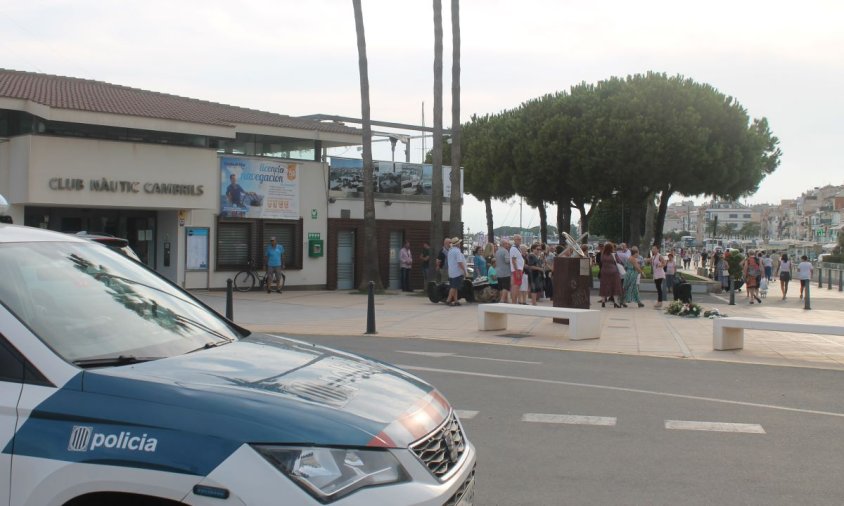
{"type": "Point", "coordinates": [96, 96]}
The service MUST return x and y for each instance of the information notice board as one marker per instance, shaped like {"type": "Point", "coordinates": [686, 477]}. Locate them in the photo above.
{"type": "Point", "coordinates": [196, 248]}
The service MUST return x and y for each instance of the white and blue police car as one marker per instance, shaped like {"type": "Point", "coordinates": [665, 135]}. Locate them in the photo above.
{"type": "Point", "coordinates": [119, 388]}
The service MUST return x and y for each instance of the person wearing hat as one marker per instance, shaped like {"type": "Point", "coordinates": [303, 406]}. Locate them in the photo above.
{"type": "Point", "coordinates": [456, 271]}
{"type": "Point", "coordinates": [273, 261]}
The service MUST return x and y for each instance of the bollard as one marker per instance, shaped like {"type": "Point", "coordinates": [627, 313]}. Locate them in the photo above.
{"type": "Point", "coordinates": [732, 292]}
{"type": "Point", "coordinates": [829, 279]}
{"type": "Point", "coordinates": [806, 304]}
{"type": "Point", "coordinates": [840, 280]}
{"type": "Point", "coordinates": [820, 277]}
{"type": "Point", "coordinates": [229, 302]}
{"type": "Point", "coordinates": [370, 310]}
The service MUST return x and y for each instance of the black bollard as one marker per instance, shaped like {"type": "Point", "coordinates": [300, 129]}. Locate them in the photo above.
{"type": "Point", "coordinates": [732, 292]}
{"type": "Point", "coordinates": [841, 280]}
{"type": "Point", "coordinates": [820, 277]}
{"type": "Point", "coordinates": [370, 310]}
{"type": "Point", "coordinates": [806, 303]}
{"type": "Point", "coordinates": [229, 301]}
{"type": "Point", "coordinates": [829, 279]}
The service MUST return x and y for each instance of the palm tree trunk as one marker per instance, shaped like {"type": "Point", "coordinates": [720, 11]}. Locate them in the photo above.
{"type": "Point", "coordinates": [370, 236]}
{"type": "Point", "coordinates": [543, 223]}
{"type": "Point", "coordinates": [664, 196]}
{"type": "Point", "coordinates": [650, 221]}
{"type": "Point", "coordinates": [584, 219]}
{"type": "Point", "coordinates": [563, 220]}
{"type": "Point", "coordinates": [455, 214]}
{"type": "Point", "coordinates": [437, 152]}
{"type": "Point", "coordinates": [490, 231]}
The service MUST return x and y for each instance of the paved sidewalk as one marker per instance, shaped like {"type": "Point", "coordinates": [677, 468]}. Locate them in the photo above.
{"type": "Point", "coordinates": [631, 330]}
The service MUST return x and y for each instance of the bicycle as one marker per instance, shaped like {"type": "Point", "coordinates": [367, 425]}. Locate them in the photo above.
{"type": "Point", "coordinates": [245, 280]}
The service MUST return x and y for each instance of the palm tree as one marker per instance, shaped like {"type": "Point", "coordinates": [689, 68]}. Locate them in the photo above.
{"type": "Point", "coordinates": [437, 154]}
{"type": "Point", "coordinates": [455, 215]}
{"type": "Point", "coordinates": [370, 237]}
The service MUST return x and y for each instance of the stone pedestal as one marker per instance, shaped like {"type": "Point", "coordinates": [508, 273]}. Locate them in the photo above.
{"type": "Point", "coordinates": [572, 283]}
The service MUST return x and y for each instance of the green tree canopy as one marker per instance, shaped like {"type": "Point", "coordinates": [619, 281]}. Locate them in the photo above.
{"type": "Point", "coordinates": [623, 139]}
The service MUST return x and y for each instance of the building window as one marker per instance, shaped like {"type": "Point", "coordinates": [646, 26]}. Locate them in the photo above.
{"type": "Point", "coordinates": [734, 216]}
{"type": "Point", "coordinates": [747, 216]}
{"type": "Point", "coordinates": [242, 241]}
{"type": "Point", "coordinates": [269, 146]}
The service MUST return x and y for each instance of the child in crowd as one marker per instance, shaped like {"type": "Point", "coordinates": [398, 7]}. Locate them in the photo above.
{"type": "Point", "coordinates": [491, 275]}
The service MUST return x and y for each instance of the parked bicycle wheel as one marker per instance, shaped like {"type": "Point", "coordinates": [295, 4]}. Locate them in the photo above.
{"type": "Point", "coordinates": [244, 281]}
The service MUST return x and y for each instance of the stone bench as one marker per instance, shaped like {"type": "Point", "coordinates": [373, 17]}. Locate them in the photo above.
{"type": "Point", "coordinates": [583, 323]}
{"type": "Point", "coordinates": [728, 333]}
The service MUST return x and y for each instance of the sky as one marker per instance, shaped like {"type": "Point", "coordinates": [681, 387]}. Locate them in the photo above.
{"type": "Point", "coordinates": [783, 60]}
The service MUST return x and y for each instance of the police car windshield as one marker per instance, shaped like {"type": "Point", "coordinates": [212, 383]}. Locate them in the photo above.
{"type": "Point", "coordinates": [87, 303]}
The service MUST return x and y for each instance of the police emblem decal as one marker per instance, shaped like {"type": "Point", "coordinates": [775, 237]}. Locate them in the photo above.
{"type": "Point", "coordinates": [80, 436]}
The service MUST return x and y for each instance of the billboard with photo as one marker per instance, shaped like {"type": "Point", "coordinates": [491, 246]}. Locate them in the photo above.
{"type": "Point", "coordinates": [253, 188]}
{"type": "Point", "coordinates": [400, 178]}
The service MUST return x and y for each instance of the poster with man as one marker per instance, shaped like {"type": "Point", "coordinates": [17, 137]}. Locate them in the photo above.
{"type": "Point", "coordinates": [251, 188]}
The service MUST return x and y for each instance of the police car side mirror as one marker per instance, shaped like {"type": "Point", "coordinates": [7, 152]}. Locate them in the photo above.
{"type": "Point", "coordinates": [4, 208]}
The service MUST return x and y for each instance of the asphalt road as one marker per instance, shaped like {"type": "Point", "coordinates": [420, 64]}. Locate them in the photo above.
{"type": "Point", "coordinates": [556, 427]}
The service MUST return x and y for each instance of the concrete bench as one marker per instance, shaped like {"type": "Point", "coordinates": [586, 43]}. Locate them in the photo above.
{"type": "Point", "coordinates": [583, 323]}
{"type": "Point", "coordinates": [728, 333]}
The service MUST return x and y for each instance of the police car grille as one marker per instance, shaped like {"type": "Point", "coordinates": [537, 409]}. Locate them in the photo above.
{"type": "Point", "coordinates": [455, 499]}
{"type": "Point", "coordinates": [442, 449]}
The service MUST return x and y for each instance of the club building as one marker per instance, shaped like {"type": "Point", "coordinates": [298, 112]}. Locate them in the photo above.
{"type": "Point", "coordinates": [197, 187]}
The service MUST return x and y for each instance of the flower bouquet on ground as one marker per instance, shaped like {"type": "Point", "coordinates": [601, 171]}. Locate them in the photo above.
{"type": "Point", "coordinates": [687, 309]}
{"type": "Point", "coordinates": [713, 313]}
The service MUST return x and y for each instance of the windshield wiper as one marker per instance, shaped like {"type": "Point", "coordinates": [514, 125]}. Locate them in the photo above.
{"type": "Point", "coordinates": [208, 346]}
{"type": "Point", "coordinates": [206, 328]}
{"type": "Point", "coordinates": [112, 361]}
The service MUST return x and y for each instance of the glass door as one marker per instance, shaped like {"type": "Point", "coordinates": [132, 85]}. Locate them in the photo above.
{"type": "Point", "coordinates": [346, 260]}
{"type": "Point", "coordinates": [396, 239]}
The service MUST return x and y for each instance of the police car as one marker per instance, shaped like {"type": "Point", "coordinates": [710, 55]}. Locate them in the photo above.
{"type": "Point", "coordinates": [117, 387]}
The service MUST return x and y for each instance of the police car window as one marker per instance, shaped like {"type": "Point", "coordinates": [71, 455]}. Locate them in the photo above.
{"type": "Point", "coordinates": [88, 302]}
{"type": "Point", "coordinates": [11, 368]}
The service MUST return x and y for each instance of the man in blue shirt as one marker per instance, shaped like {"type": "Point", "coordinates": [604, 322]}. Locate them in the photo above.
{"type": "Point", "coordinates": [273, 261]}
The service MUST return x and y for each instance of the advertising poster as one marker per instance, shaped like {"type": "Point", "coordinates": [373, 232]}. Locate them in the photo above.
{"type": "Point", "coordinates": [252, 188]}
{"type": "Point", "coordinates": [399, 178]}
{"type": "Point", "coordinates": [196, 249]}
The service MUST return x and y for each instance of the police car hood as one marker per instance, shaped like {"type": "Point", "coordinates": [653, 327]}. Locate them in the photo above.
{"type": "Point", "coordinates": [273, 390]}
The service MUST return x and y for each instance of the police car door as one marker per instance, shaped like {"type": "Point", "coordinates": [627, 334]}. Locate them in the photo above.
{"type": "Point", "coordinates": [11, 383]}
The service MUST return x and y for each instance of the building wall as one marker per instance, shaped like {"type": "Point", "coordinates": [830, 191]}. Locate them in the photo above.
{"type": "Point", "coordinates": [417, 232]}
{"type": "Point", "coordinates": [43, 168]}
{"type": "Point", "coordinates": [312, 198]}
{"type": "Point", "coordinates": [396, 210]}
{"type": "Point", "coordinates": [58, 172]}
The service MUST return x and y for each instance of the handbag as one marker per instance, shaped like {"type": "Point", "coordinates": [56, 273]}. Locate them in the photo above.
{"type": "Point", "coordinates": [621, 270]}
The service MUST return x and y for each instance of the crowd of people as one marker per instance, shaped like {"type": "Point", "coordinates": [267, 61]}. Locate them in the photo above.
{"type": "Point", "coordinates": [519, 273]}
{"type": "Point", "coordinates": [758, 269]}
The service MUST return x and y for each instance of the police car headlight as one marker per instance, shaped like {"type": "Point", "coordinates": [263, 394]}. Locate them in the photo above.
{"type": "Point", "coordinates": [331, 473]}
